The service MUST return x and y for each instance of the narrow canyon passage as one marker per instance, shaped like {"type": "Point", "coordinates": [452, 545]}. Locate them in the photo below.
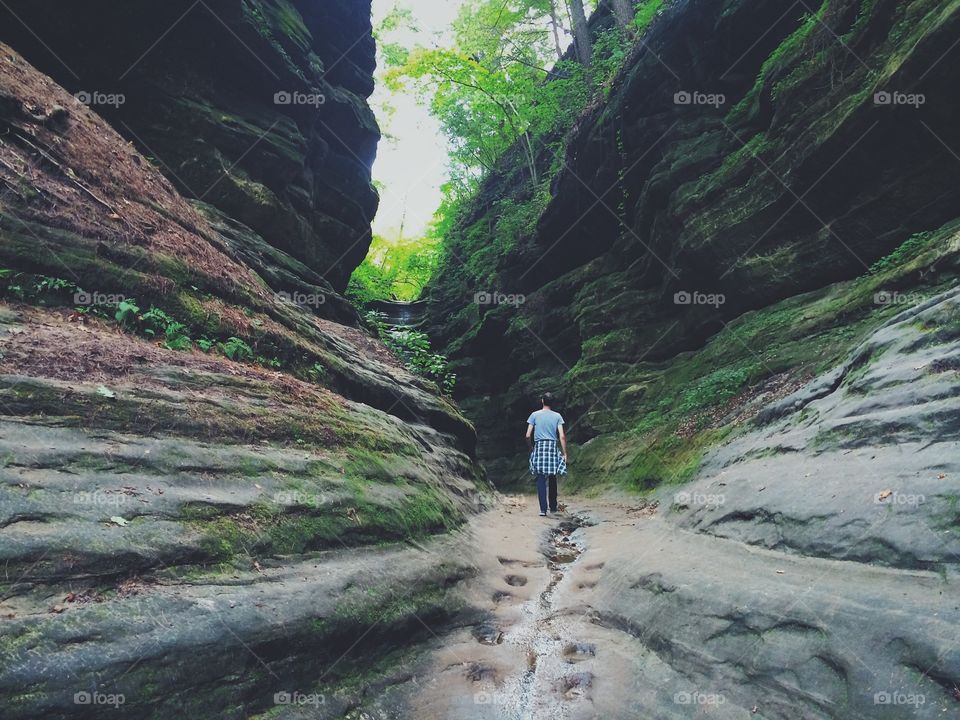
{"type": "Point", "coordinates": [288, 288]}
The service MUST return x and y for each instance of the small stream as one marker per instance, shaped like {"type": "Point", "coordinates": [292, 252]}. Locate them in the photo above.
{"type": "Point", "coordinates": [543, 635]}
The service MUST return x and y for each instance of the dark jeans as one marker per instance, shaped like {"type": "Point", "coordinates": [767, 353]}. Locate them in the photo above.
{"type": "Point", "coordinates": [542, 492]}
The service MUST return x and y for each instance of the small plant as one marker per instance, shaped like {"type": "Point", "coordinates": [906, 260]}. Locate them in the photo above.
{"type": "Point", "coordinates": [177, 337]}
{"type": "Point", "coordinates": [127, 314]}
{"type": "Point", "coordinates": [39, 289]}
{"type": "Point", "coordinates": [413, 348]}
{"type": "Point", "coordinates": [318, 373]}
{"type": "Point", "coordinates": [236, 349]}
{"type": "Point", "coordinates": [206, 344]}
{"type": "Point", "coordinates": [155, 322]}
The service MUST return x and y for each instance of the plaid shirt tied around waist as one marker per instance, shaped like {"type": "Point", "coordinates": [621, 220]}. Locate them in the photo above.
{"type": "Point", "coordinates": [546, 459]}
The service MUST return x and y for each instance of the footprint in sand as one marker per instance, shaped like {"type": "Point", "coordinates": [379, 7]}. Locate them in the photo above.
{"type": "Point", "coordinates": [515, 580]}
{"type": "Point", "coordinates": [479, 672]}
{"type": "Point", "coordinates": [522, 563]}
{"type": "Point", "coordinates": [578, 652]}
{"type": "Point", "coordinates": [488, 634]}
{"type": "Point", "coordinates": [576, 685]}
{"type": "Point", "coordinates": [587, 585]}
{"type": "Point", "coordinates": [500, 595]}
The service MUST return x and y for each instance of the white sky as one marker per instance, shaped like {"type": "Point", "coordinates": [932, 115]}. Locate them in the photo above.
{"type": "Point", "coordinates": [413, 166]}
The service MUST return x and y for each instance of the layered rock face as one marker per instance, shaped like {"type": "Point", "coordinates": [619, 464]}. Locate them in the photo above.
{"type": "Point", "coordinates": [749, 308]}
{"type": "Point", "coordinates": [256, 108]}
{"type": "Point", "coordinates": [747, 155]}
{"type": "Point", "coordinates": [206, 531]}
{"type": "Point", "coordinates": [809, 571]}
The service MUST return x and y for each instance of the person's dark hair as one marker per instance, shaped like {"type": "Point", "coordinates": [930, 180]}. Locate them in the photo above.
{"type": "Point", "coordinates": [547, 398]}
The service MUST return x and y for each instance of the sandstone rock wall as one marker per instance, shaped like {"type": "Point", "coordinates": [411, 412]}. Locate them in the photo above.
{"type": "Point", "coordinates": [815, 165]}
{"type": "Point", "coordinates": [256, 107]}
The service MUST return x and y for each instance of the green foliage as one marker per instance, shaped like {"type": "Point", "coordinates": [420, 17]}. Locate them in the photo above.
{"type": "Point", "coordinates": [717, 387]}
{"type": "Point", "coordinates": [127, 313]}
{"type": "Point", "coordinates": [911, 247]}
{"type": "Point", "coordinates": [394, 269]}
{"type": "Point", "coordinates": [318, 373]}
{"type": "Point", "coordinates": [498, 87]}
{"type": "Point", "coordinates": [790, 46]}
{"type": "Point", "coordinates": [38, 289]}
{"type": "Point", "coordinates": [414, 350]}
{"type": "Point", "coordinates": [236, 349]}
{"type": "Point", "coordinates": [646, 10]}
{"type": "Point", "coordinates": [177, 337]}
{"type": "Point", "coordinates": [155, 322]}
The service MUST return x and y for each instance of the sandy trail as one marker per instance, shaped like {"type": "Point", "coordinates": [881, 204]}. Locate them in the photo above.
{"type": "Point", "coordinates": [542, 653]}
{"type": "Point", "coordinates": [610, 612]}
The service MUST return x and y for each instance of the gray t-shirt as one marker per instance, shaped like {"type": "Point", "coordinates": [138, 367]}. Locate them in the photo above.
{"type": "Point", "coordinates": [545, 423]}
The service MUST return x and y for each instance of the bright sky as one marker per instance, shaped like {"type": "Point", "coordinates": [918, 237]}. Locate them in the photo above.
{"type": "Point", "coordinates": [414, 164]}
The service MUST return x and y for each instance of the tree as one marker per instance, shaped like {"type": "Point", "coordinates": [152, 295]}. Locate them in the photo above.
{"type": "Point", "coordinates": [624, 12]}
{"type": "Point", "coordinates": [581, 32]}
{"type": "Point", "coordinates": [490, 90]}
{"type": "Point", "coordinates": [555, 28]}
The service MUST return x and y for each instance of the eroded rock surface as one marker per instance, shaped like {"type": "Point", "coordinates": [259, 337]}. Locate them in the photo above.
{"type": "Point", "coordinates": [256, 107]}
{"type": "Point", "coordinates": [197, 530]}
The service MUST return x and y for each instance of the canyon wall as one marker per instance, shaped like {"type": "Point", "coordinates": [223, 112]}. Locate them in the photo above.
{"type": "Point", "coordinates": [216, 489]}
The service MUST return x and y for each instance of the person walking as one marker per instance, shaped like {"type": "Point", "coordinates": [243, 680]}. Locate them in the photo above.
{"type": "Point", "coordinates": [544, 430]}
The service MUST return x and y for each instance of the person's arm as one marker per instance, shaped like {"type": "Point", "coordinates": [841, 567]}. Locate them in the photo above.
{"type": "Point", "coordinates": [563, 442]}
{"type": "Point", "coordinates": [529, 437]}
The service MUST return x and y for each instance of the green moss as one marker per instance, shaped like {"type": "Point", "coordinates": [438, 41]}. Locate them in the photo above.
{"type": "Point", "coordinates": [296, 534]}
{"type": "Point", "coordinates": [804, 335]}
{"type": "Point", "coordinates": [910, 249]}
{"type": "Point", "coordinates": [792, 45]}
{"type": "Point", "coordinates": [224, 539]}
{"type": "Point", "coordinates": [15, 644]}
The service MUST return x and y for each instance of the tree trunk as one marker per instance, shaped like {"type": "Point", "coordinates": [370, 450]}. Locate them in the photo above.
{"type": "Point", "coordinates": [581, 33]}
{"type": "Point", "coordinates": [555, 24]}
{"type": "Point", "coordinates": [623, 10]}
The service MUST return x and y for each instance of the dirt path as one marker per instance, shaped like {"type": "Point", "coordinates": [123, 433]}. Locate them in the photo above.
{"type": "Point", "coordinates": [541, 654]}
{"type": "Point", "coordinates": [611, 612]}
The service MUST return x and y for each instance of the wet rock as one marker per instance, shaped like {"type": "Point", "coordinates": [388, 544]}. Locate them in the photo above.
{"type": "Point", "coordinates": [488, 634]}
